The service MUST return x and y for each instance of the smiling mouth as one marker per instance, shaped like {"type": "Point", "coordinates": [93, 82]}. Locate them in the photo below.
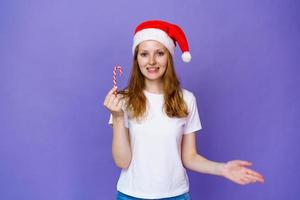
{"type": "Point", "coordinates": [152, 69]}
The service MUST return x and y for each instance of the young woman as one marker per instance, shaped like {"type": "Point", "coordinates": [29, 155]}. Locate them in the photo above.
{"type": "Point", "coordinates": [155, 121]}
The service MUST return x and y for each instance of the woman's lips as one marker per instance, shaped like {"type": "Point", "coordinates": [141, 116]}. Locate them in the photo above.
{"type": "Point", "coordinates": [152, 69]}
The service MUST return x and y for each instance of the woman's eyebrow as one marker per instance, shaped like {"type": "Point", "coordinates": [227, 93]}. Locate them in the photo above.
{"type": "Point", "coordinates": [160, 49]}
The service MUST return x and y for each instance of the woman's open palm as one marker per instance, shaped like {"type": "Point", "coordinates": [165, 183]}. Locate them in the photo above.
{"type": "Point", "coordinates": [237, 171]}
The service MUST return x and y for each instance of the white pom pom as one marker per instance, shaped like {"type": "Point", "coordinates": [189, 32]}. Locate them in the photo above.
{"type": "Point", "coordinates": [186, 57]}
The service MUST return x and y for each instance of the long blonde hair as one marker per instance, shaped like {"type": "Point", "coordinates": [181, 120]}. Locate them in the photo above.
{"type": "Point", "coordinates": [174, 105]}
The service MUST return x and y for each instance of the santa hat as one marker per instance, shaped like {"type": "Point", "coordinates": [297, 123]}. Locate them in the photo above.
{"type": "Point", "coordinates": [166, 33]}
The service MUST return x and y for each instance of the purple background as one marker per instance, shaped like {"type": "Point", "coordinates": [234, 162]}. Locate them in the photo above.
{"type": "Point", "coordinates": [56, 61]}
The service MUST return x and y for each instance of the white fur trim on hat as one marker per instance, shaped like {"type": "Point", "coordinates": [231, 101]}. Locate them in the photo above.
{"type": "Point", "coordinates": [153, 34]}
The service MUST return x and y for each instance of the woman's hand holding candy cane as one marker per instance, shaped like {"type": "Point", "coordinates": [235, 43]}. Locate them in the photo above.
{"type": "Point", "coordinates": [114, 103]}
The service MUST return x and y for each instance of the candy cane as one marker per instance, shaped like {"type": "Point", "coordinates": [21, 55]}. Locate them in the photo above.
{"type": "Point", "coordinates": [116, 68]}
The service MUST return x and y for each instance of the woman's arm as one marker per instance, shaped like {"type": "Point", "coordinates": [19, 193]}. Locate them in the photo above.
{"type": "Point", "coordinates": [121, 149]}
{"type": "Point", "coordinates": [235, 170]}
{"type": "Point", "coordinates": [193, 161]}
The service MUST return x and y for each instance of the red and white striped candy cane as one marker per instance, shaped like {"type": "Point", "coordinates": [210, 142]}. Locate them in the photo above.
{"type": "Point", "coordinates": [116, 68]}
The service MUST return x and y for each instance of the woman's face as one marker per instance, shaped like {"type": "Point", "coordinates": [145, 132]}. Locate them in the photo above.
{"type": "Point", "coordinates": [152, 59]}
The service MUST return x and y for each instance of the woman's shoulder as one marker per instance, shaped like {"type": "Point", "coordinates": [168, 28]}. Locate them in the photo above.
{"type": "Point", "coordinates": [189, 98]}
{"type": "Point", "coordinates": [187, 94]}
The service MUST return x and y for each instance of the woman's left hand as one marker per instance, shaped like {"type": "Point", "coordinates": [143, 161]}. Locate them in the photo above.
{"type": "Point", "coordinates": [237, 171]}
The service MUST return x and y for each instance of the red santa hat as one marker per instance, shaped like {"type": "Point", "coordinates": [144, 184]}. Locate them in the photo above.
{"type": "Point", "coordinates": [166, 33]}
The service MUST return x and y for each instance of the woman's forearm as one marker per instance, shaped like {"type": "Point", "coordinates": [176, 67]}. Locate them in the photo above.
{"type": "Point", "coordinates": [200, 164]}
{"type": "Point", "coordinates": [121, 149]}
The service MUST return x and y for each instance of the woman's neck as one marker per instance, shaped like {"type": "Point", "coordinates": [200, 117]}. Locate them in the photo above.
{"type": "Point", "coordinates": [154, 87]}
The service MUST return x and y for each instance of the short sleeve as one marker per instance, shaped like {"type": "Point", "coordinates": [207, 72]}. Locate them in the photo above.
{"type": "Point", "coordinates": [125, 119]}
{"type": "Point", "coordinates": [193, 120]}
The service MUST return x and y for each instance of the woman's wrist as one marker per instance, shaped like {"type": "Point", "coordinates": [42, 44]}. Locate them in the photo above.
{"type": "Point", "coordinates": [118, 117]}
{"type": "Point", "coordinates": [220, 168]}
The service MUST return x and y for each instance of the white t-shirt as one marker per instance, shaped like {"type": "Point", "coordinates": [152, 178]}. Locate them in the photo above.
{"type": "Point", "coordinates": [156, 169]}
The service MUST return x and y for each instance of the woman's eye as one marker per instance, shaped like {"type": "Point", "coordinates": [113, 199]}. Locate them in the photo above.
{"type": "Point", "coordinates": [161, 53]}
{"type": "Point", "coordinates": [143, 54]}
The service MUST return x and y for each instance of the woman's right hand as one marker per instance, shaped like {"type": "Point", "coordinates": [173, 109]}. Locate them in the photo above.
{"type": "Point", "coordinates": [114, 103]}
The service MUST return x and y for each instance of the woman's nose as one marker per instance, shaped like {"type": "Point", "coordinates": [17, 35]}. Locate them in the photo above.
{"type": "Point", "coordinates": [152, 60]}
